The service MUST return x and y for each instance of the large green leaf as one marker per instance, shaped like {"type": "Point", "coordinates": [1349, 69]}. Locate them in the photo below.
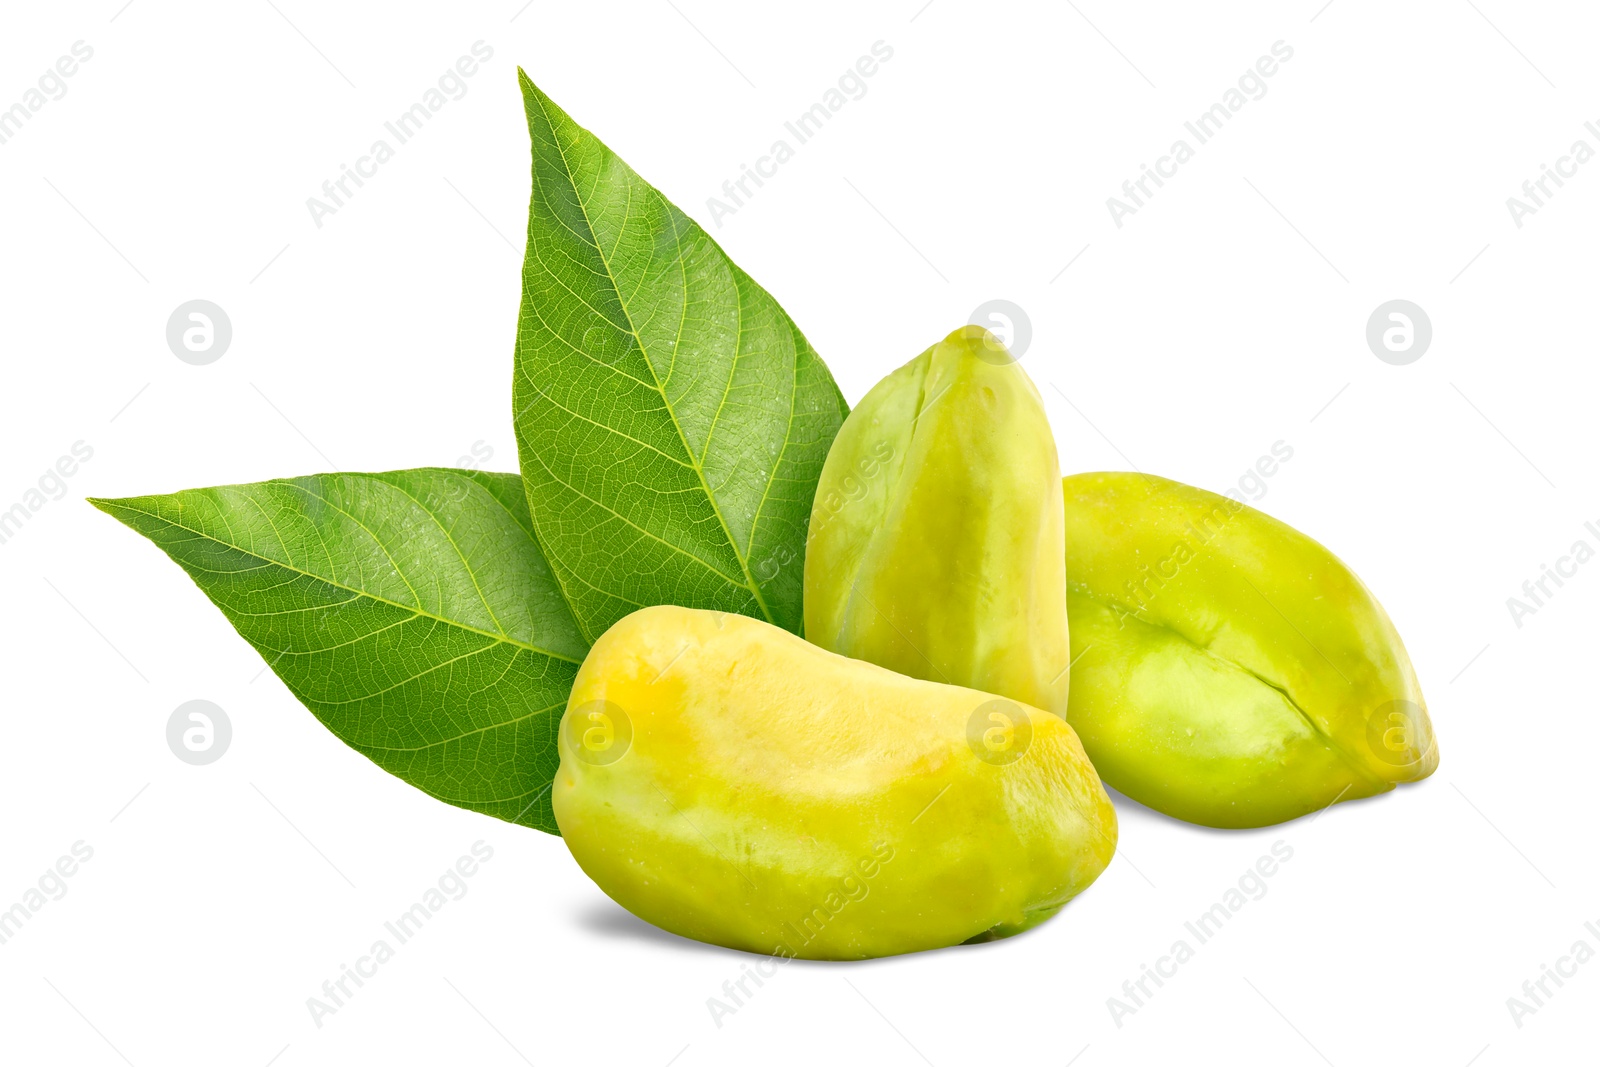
{"type": "Point", "coordinates": [672, 421]}
{"type": "Point", "coordinates": [412, 612]}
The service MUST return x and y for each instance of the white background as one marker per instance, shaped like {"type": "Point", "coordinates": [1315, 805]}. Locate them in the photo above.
{"type": "Point", "coordinates": [1226, 315]}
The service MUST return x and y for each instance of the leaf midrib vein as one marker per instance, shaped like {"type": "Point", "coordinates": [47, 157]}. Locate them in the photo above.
{"type": "Point", "coordinates": [749, 580]}
{"type": "Point", "coordinates": [553, 402]}
{"type": "Point", "coordinates": [608, 509]}
{"type": "Point", "coordinates": [506, 638]}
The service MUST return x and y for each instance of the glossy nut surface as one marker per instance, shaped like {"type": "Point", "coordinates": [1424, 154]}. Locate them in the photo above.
{"type": "Point", "coordinates": [936, 543]}
{"type": "Point", "coordinates": [1228, 669]}
{"type": "Point", "coordinates": [730, 782]}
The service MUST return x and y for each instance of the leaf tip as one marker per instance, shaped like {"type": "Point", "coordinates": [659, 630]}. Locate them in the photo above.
{"type": "Point", "coordinates": [117, 507]}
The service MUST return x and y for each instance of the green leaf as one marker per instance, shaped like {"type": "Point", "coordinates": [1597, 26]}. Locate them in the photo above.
{"type": "Point", "coordinates": [672, 421]}
{"type": "Point", "coordinates": [412, 612]}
